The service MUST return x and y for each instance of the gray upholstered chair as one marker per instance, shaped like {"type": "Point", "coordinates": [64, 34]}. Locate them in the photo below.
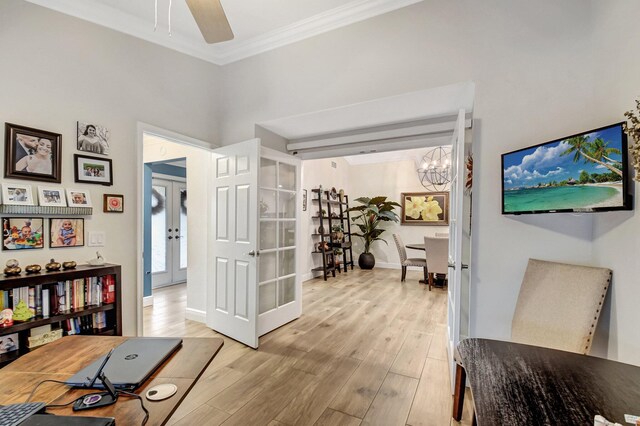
{"type": "Point", "coordinates": [558, 307]}
{"type": "Point", "coordinates": [404, 261]}
{"type": "Point", "coordinates": [437, 251]}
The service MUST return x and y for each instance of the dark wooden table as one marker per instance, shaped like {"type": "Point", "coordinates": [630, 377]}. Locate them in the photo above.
{"type": "Point", "coordinates": [63, 358]}
{"type": "Point", "coordinates": [515, 384]}
{"type": "Point", "coordinates": [415, 246]}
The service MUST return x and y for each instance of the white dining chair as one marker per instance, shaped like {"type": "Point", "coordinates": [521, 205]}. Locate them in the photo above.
{"type": "Point", "coordinates": [437, 252]}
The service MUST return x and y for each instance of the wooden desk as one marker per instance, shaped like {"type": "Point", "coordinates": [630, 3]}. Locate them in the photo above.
{"type": "Point", "coordinates": [63, 358]}
{"type": "Point", "coordinates": [515, 384]}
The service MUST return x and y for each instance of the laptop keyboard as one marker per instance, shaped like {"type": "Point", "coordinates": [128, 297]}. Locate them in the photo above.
{"type": "Point", "coordinates": [14, 414]}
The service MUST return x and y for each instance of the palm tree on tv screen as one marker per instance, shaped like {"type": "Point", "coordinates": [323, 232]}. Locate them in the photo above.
{"type": "Point", "coordinates": [580, 146]}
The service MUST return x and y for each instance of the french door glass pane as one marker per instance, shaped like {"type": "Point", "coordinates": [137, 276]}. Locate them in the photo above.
{"type": "Point", "coordinates": [267, 266]}
{"type": "Point", "coordinates": [267, 297]}
{"type": "Point", "coordinates": [287, 236]}
{"type": "Point", "coordinates": [287, 262]}
{"type": "Point", "coordinates": [286, 291]}
{"type": "Point", "coordinates": [287, 176]}
{"type": "Point", "coordinates": [267, 173]}
{"type": "Point", "coordinates": [267, 234]}
{"type": "Point", "coordinates": [159, 229]}
{"type": "Point", "coordinates": [287, 204]}
{"type": "Point", "coordinates": [268, 203]}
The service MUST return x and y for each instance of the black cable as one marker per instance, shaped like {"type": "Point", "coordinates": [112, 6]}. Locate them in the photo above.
{"type": "Point", "coordinates": [38, 385]}
{"type": "Point", "coordinates": [146, 412]}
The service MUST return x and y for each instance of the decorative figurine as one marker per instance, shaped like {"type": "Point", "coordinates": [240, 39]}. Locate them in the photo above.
{"type": "Point", "coordinates": [69, 265]}
{"type": "Point", "coordinates": [97, 261]}
{"type": "Point", "coordinates": [6, 318]}
{"type": "Point", "coordinates": [12, 268]}
{"type": "Point", "coordinates": [52, 266]}
{"type": "Point", "coordinates": [22, 312]}
{"type": "Point", "coordinates": [32, 269]}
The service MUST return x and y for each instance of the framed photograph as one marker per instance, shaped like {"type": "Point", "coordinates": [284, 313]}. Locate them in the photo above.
{"type": "Point", "coordinates": [113, 203]}
{"type": "Point", "coordinates": [93, 138]}
{"type": "Point", "coordinates": [32, 154]}
{"type": "Point", "coordinates": [78, 198]}
{"type": "Point", "coordinates": [20, 233]}
{"type": "Point", "coordinates": [17, 194]}
{"type": "Point", "coordinates": [93, 170]}
{"type": "Point", "coordinates": [425, 208]}
{"type": "Point", "coordinates": [9, 343]}
{"type": "Point", "coordinates": [66, 232]}
{"type": "Point", "coordinates": [51, 196]}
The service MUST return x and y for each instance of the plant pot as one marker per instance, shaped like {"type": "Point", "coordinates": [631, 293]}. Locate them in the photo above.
{"type": "Point", "coordinates": [366, 261]}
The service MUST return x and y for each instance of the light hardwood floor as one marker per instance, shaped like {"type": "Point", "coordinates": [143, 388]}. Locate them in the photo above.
{"type": "Point", "coordinates": [368, 350]}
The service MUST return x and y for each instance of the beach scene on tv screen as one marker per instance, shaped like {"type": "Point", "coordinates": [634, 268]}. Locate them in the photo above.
{"type": "Point", "coordinates": [581, 172]}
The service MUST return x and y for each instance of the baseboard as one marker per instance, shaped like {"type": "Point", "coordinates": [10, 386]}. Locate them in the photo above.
{"type": "Point", "coordinates": [147, 301]}
{"type": "Point", "coordinates": [195, 315]}
{"type": "Point", "coordinates": [386, 265]}
{"type": "Point", "coordinates": [307, 276]}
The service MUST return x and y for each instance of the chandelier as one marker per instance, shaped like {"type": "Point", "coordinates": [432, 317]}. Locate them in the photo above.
{"type": "Point", "coordinates": [435, 169]}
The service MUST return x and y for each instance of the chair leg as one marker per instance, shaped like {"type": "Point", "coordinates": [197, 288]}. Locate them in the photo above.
{"type": "Point", "coordinates": [458, 396]}
{"type": "Point", "coordinates": [404, 273]}
{"type": "Point", "coordinates": [430, 280]}
{"type": "Point", "coordinates": [426, 274]}
{"type": "Point", "coordinates": [474, 422]}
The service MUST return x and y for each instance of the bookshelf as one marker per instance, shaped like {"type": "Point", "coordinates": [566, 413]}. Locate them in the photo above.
{"type": "Point", "coordinates": [330, 213]}
{"type": "Point", "coordinates": [95, 311]}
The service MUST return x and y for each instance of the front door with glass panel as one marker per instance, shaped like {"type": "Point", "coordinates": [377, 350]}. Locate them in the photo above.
{"type": "Point", "coordinates": [279, 287]}
{"type": "Point", "coordinates": [168, 232]}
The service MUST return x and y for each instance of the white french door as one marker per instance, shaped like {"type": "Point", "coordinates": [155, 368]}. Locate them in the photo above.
{"type": "Point", "coordinates": [280, 286]}
{"type": "Point", "coordinates": [456, 199]}
{"type": "Point", "coordinates": [254, 283]}
{"type": "Point", "coordinates": [168, 232]}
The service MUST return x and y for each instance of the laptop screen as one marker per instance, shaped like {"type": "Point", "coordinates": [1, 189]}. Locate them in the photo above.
{"type": "Point", "coordinates": [130, 364]}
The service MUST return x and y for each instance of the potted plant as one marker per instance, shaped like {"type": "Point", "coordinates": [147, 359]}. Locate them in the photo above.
{"type": "Point", "coordinates": [373, 212]}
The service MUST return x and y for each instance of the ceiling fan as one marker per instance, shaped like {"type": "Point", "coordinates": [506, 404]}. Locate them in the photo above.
{"type": "Point", "coordinates": [211, 20]}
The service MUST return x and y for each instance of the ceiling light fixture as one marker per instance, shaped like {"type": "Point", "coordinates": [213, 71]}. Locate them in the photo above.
{"type": "Point", "coordinates": [435, 170]}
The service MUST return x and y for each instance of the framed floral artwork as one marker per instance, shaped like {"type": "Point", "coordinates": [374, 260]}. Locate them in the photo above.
{"type": "Point", "coordinates": [113, 203]}
{"type": "Point", "coordinates": [425, 208]}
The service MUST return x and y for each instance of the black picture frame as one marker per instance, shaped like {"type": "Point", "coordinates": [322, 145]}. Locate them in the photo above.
{"type": "Point", "coordinates": [24, 158]}
{"type": "Point", "coordinates": [73, 239]}
{"type": "Point", "coordinates": [14, 237]}
{"type": "Point", "coordinates": [95, 170]}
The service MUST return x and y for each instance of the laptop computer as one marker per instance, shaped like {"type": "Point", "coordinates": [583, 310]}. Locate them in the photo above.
{"type": "Point", "coordinates": [131, 363]}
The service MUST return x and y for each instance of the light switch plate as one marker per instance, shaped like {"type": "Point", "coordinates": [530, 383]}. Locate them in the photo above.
{"type": "Point", "coordinates": [96, 239]}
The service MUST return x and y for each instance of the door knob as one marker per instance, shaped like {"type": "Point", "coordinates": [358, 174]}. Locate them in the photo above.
{"type": "Point", "coordinates": [170, 237]}
{"type": "Point", "coordinates": [451, 265]}
{"type": "Point", "coordinates": [254, 253]}
{"type": "Point", "coordinates": [463, 266]}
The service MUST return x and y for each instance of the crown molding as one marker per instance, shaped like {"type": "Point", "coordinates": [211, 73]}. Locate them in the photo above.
{"type": "Point", "coordinates": [352, 12]}
{"type": "Point", "coordinates": [222, 54]}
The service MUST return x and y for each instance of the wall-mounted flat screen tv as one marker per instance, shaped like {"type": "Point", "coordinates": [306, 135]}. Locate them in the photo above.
{"type": "Point", "coordinates": [586, 172]}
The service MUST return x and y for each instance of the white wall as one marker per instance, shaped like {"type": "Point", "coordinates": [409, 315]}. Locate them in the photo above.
{"type": "Point", "coordinates": [537, 78]}
{"type": "Point", "coordinates": [56, 70]}
{"type": "Point", "coordinates": [615, 235]}
{"type": "Point", "coordinates": [198, 166]}
{"type": "Point", "coordinates": [390, 180]}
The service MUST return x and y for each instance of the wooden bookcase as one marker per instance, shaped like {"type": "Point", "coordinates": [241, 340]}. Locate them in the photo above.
{"type": "Point", "coordinates": [48, 280]}
{"type": "Point", "coordinates": [335, 213]}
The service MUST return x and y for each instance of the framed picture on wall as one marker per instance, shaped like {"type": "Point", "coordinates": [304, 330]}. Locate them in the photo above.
{"type": "Point", "coordinates": [66, 232]}
{"type": "Point", "coordinates": [78, 198]}
{"type": "Point", "coordinates": [93, 170]}
{"type": "Point", "coordinates": [113, 203]}
{"type": "Point", "coordinates": [93, 138]}
{"type": "Point", "coordinates": [18, 194]}
{"type": "Point", "coordinates": [32, 154]}
{"type": "Point", "coordinates": [21, 233]}
{"type": "Point", "coordinates": [425, 208]}
{"type": "Point", "coordinates": [51, 196]}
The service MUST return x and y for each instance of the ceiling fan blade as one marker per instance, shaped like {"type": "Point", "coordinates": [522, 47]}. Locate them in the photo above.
{"type": "Point", "coordinates": [211, 20]}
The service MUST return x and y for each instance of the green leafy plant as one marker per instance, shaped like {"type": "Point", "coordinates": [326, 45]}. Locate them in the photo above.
{"type": "Point", "coordinates": [373, 212]}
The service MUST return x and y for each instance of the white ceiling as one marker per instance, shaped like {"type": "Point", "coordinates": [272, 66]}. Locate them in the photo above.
{"type": "Point", "coordinates": [258, 25]}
